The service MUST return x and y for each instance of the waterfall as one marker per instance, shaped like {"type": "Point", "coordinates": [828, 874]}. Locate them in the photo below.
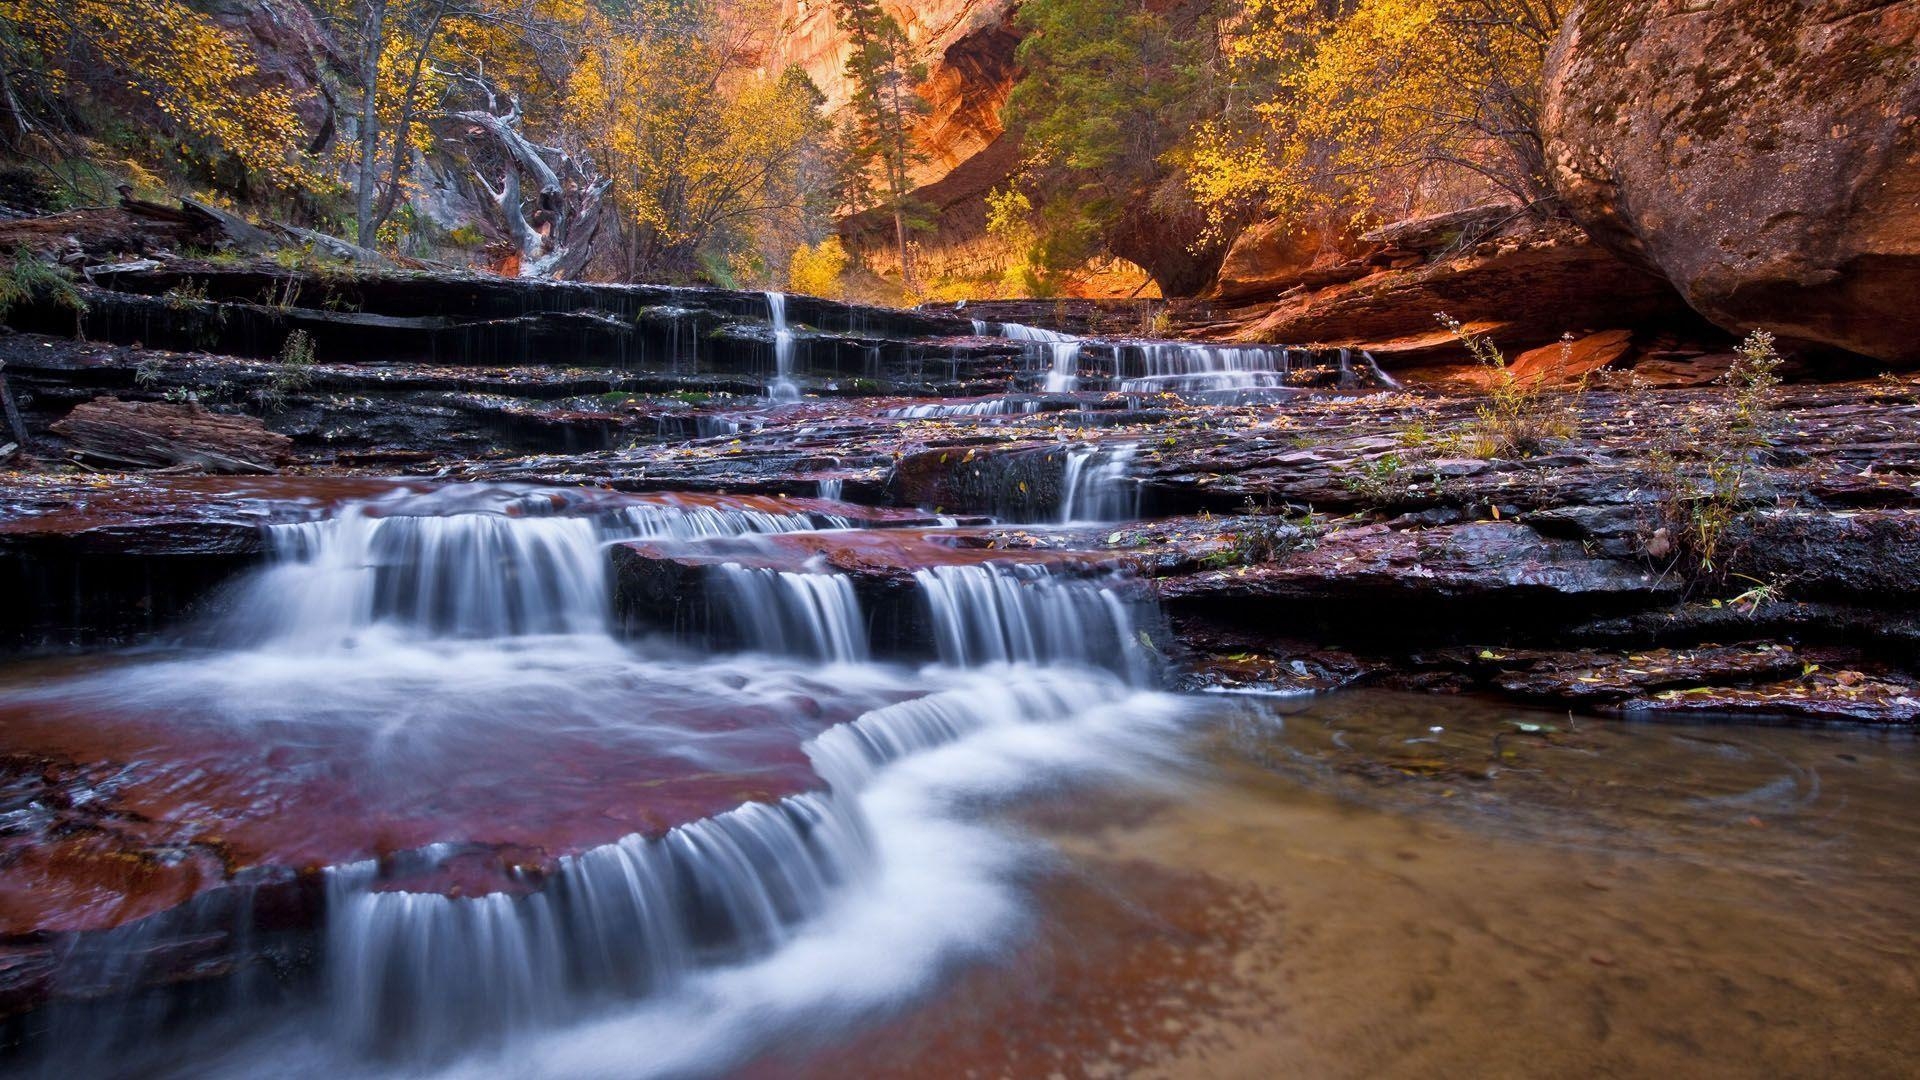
{"type": "Point", "coordinates": [1168, 367]}
{"type": "Point", "coordinates": [1031, 614]}
{"type": "Point", "coordinates": [783, 390]}
{"type": "Point", "coordinates": [454, 576]}
{"type": "Point", "coordinates": [793, 613]}
{"type": "Point", "coordinates": [487, 731]}
{"type": "Point", "coordinates": [431, 975]}
{"type": "Point", "coordinates": [850, 754]}
{"type": "Point", "coordinates": [1063, 372]}
{"type": "Point", "coordinates": [996, 406]}
{"type": "Point", "coordinates": [692, 523]}
{"type": "Point", "coordinates": [505, 572]}
{"type": "Point", "coordinates": [1096, 485]}
{"type": "Point", "coordinates": [1062, 352]}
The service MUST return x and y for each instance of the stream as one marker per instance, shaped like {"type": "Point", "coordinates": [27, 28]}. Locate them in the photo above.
{"type": "Point", "coordinates": [408, 803]}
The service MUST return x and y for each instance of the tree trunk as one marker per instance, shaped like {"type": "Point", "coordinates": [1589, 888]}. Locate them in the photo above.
{"type": "Point", "coordinates": [373, 45]}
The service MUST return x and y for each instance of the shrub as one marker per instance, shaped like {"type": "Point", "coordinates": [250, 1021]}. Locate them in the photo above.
{"type": "Point", "coordinates": [293, 370]}
{"type": "Point", "coordinates": [1701, 475]}
{"type": "Point", "coordinates": [815, 269]}
{"type": "Point", "coordinates": [27, 278]}
{"type": "Point", "coordinates": [1520, 416]}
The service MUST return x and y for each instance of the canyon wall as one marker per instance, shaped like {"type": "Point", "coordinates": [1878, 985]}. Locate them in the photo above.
{"type": "Point", "coordinates": [968, 49]}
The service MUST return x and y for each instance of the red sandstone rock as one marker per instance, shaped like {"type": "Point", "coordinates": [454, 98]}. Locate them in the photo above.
{"type": "Point", "coordinates": [1765, 157]}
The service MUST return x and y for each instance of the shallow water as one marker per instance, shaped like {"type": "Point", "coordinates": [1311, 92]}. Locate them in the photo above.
{"type": "Point", "coordinates": [411, 808]}
{"type": "Point", "coordinates": [1340, 890]}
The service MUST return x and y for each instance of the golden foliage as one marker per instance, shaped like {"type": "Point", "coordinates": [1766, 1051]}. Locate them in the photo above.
{"type": "Point", "coordinates": [1374, 96]}
{"type": "Point", "coordinates": [174, 57]}
{"type": "Point", "coordinates": [816, 268]}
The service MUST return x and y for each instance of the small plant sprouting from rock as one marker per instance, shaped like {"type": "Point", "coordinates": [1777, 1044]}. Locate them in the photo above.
{"type": "Point", "coordinates": [26, 278]}
{"type": "Point", "coordinates": [1377, 480]}
{"type": "Point", "coordinates": [1520, 415]}
{"type": "Point", "coordinates": [1701, 476]}
{"type": "Point", "coordinates": [293, 371]}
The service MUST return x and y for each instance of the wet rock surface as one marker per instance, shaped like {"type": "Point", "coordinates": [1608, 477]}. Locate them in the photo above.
{"type": "Point", "coordinates": [1303, 525]}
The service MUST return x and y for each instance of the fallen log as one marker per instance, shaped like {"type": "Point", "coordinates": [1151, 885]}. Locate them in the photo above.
{"type": "Point", "coordinates": [146, 434]}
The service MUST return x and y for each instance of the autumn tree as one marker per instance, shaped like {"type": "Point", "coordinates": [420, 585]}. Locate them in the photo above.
{"type": "Point", "coordinates": [885, 106]}
{"type": "Point", "coordinates": [1353, 102]}
{"type": "Point", "coordinates": [59, 59]}
{"type": "Point", "coordinates": [701, 149]}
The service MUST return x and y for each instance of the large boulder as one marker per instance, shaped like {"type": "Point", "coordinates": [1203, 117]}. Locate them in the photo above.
{"type": "Point", "coordinates": [1763, 154]}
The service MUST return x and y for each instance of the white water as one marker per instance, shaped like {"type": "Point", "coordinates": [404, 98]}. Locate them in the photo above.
{"type": "Point", "coordinates": [1097, 485]}
{"type": "Point", "coordinates": [1062, 352]}
{"type": "Point", "coordinates": [795, 614]}
{"type": "Point", "coordinates": [783, 390]}
{"type": "Point", "coordinates": [441, 658]}
{"type": "Point", "coordinates": [1028, 614]}
{"type": "Point", "coordinates": [984, 407]}
{"type": "Point", "coordinates": [1167, 367]}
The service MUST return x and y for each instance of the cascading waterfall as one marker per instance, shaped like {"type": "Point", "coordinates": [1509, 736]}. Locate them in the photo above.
{"type": "Point", "coordinates": [794, 613]}
{"type": "Point", "coordinates": [999, 406]}
{"type": "Point", "coordinates": [1061, 351]}
{"type": "Point", "coordinates": [459, 576]}
{"type": "Point", "coordinates": [465, 575]}
{"type": "Point", "coordinates": [1096, 485]}
{"type": "Point", "coordinates": [693, 523]}
{"type": "Point", "coordinates": [1167, 367]}
{"type": "Point", "coordinates": [501, 606]}
{"type": "Point", "coordinates": [783, 390]}
{"type": "Point", "coordinates": [1028, 614]}
{"type": "Point", "coordinates": [427, 975]}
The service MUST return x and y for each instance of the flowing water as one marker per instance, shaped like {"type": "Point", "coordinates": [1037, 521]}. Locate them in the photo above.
{"type": "Point", "coordinates": [409, 806]}
{"type": "Point", "coordinates": [783, 390]}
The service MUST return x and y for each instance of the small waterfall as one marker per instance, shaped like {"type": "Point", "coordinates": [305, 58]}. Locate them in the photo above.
{"type": "Point", "coordinates": [1096, 485]}
{"type": "Point", "coordinates": [1373, 367]}
{"type": "Point", "coordinates": [1031, 614]}
{"type": "Point", "coordinates": [998, 406]}
{"type": "Point", "coordinates": [457, 576]}
{"type": "Point", "coordinates": [830, 488]}
{"type": "Point", "coordinates": [783, 390]}
{"type": "Point", "coordinates": [691, 523]}
{"type": "Point", "coordinates": [850, 754]}
{"type": "Point", "coordinates": [1061, 351]}
{"type": "Point", "coordinates": [1063, 374]}
{"type": "Point", "coordinates": [432, 975]}
{"type": "Point", "coordinates": [1169, 367]}
{"type": "Point", "coordinates": [792, 613]}
{"type": "Point", "coordinates": [508, 572]}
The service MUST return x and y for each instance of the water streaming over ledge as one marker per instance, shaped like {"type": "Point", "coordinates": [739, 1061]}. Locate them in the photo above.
{"type": "Point", "coordinates": [795, 613]}
{"type": "Point", "coordinates": [783, 390]}
{"type": "Point", "coordinates": [415, 617]}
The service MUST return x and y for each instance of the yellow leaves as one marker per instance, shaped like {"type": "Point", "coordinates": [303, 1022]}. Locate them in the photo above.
{"type": "Point", "coordinates": [1362, 97]}
{"type": "Point", "coordinates": [181, 61]}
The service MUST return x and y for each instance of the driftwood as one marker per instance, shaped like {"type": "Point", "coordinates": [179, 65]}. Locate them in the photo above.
{"type": "Point", "coordinates": [145, 434]}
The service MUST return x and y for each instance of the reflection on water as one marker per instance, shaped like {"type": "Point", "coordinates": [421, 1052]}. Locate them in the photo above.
{"type": "Point", "coordinates": [1372, 884]}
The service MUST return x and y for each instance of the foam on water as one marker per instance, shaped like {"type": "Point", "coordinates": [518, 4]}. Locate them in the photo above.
{"type": "Point", "coordinates": [418, 644]}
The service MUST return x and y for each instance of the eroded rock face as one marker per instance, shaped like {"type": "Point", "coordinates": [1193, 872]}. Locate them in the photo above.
{"type": "Point", "coordinates": [1765, 156]}
{"type": "Point", "coordinates": [967, 46]}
